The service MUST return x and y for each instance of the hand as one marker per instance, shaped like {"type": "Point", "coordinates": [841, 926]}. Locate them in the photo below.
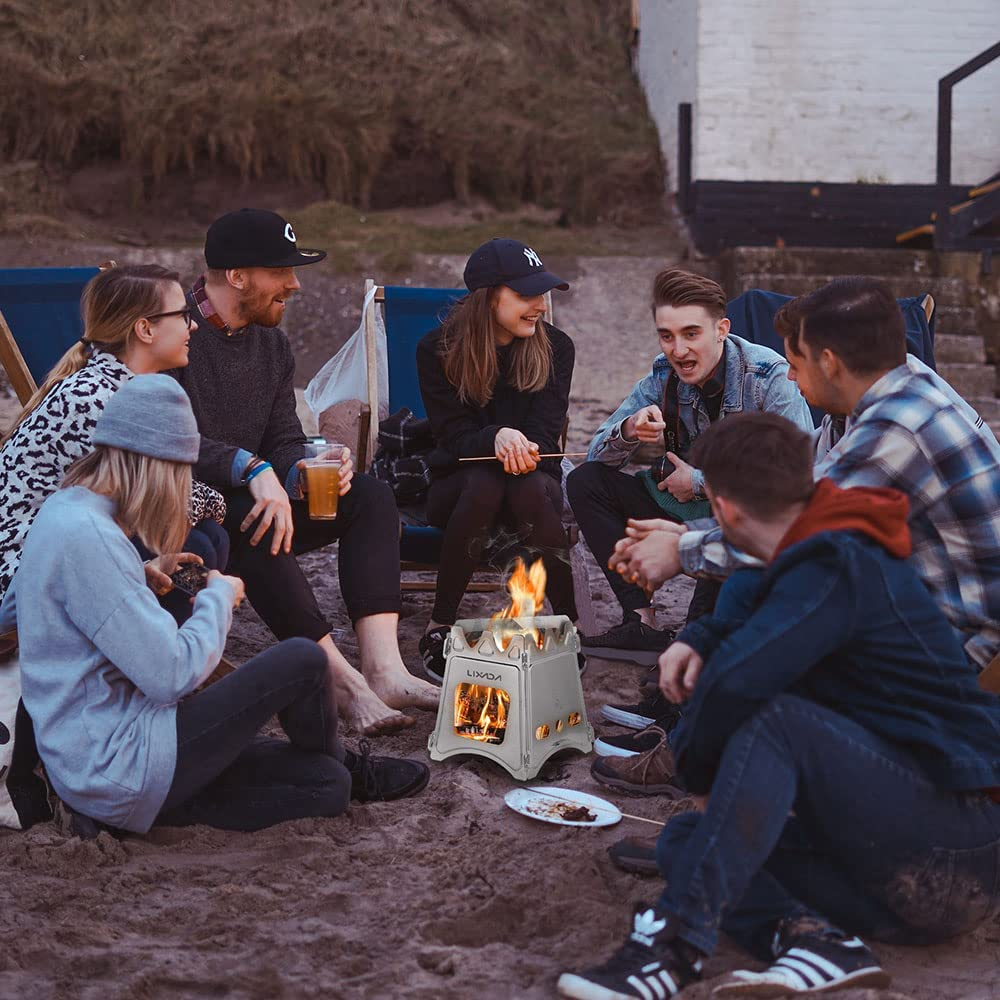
{"type": "Point", "coordinates": [158, 570]}
{"type": "Point", "coordinates": [649, 560]}
{"type": "Point", "coordinates": [680, 667]}
{"type": "Point", "coordinates": [273, 508]}
{"type": "Point", "coordinates": [680, 482]}
{"type": "Point", "coordinates": [239, 589]}
{"type": "Point", "coordinates": [640, 529]}
{"type": "Point", "coordinates": [339, 453]}
{"type": "Point", "coordinates": [518, 454]}
{"type": "Point", "coordinates": [644, 425]}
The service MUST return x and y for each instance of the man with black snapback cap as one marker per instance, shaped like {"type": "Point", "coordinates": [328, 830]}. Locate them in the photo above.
{"type": "Point", "coordinates": [240, 380]}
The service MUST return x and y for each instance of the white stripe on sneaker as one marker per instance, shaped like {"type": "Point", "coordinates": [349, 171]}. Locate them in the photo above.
{"type": "Point", "coordinates": [643, 990]}
{"type": "Point", "coordinates": [668, 981]}
{"type": "Point", "coordinates": [831, 970]}
{"type": "Point", "coordinates": [808, 975]}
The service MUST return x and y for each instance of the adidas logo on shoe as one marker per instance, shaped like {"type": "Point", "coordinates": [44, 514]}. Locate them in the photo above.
{"type": "Point", "coordinates": [646, 926]}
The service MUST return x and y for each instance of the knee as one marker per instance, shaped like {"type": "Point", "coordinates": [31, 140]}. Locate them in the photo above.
{"type": "Point", "coordinates": [209, 540]}
{"type": "Point", "coordinates": [584, 480]}
{"type": "Point", "coordinates": [673, 837]}
{"type": "Point", "coordinates": [370, 494]}
{"type": "Point", "coordinates": [526, 494]}
{"type": "Point", "coordinates": [308, 657]}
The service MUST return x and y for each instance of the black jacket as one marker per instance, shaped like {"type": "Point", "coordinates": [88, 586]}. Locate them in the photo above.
{"type": "Point", "coordinates": [466, 430]}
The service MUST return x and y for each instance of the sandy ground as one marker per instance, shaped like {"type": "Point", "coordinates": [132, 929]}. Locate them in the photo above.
{"type": "Point", "coordinates": [448, 895]}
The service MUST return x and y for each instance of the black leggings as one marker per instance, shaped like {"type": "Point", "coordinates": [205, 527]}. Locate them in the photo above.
{"type": "Point", "coordinates": [603, 499]}
{"type": "Point", "coordinates": [227, 778]}
{"type": "Point", "coordinates": [474, 506]}
{"type": "Point", "coordinates": [367, 527]}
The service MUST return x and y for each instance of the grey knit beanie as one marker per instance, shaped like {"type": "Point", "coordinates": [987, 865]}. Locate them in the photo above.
{"type": "Point", "coordinates": [151, 415]}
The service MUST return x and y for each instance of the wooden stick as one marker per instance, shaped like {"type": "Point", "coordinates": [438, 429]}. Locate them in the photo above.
{"type": "Point", "coordinates": [554, 454]}
{"type": "Point", "coordinates": [573, 802]}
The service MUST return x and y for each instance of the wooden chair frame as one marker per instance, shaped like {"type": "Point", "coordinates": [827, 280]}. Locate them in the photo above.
{"type": "Point", "coordinates": [13, 363]}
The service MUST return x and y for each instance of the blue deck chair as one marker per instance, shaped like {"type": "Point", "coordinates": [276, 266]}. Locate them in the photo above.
{"type": "Point", "coordinates": [39, 320]}
{"type": "Point", "coordinates": [752, 317]}
{"type": "Point", "coordinates": [409, 314]}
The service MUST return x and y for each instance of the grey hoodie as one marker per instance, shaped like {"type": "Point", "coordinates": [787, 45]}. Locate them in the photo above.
{"type": "Point", "coordinates": [102, 664]}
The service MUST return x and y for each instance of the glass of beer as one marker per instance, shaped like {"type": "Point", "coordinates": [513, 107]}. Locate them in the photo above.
{"type": "Point", "coordinates": [322, 487]}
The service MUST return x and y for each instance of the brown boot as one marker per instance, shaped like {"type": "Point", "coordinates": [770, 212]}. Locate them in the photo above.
{"type": "Point", "coordinates": [649, 773]}
{"type": "Point", "coordinates": [635, 855]}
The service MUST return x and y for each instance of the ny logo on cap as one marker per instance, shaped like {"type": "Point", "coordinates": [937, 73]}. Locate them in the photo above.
{"type": "Point", "coordinates": [290, 233]}
{"type": "Point", "coordinates": [533, 259]}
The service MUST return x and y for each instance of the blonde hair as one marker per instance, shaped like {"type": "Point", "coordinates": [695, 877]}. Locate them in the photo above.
{"type": "Point", "coordinates": [112, 303]}
{"type": "Point", "coordinates": [468, 351]}
{"type": "Point", "coordinates": [150, 494]}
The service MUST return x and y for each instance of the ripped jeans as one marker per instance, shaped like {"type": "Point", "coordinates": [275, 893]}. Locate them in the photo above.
{"type": "Point", "coordinates": [816, 820]}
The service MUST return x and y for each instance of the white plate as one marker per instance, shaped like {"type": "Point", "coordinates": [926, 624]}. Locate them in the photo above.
{"type": "Point", "coordinates": [550, 804]}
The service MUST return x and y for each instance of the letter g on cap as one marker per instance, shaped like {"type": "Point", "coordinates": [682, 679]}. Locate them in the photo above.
{"type": "Point", "coordinates": [289, 232]}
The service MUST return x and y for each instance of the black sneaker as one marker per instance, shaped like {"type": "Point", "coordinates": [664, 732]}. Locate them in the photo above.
{"type": "Point", "coordinates": [632, 641]}
{"type": "Point", "coordinates": [628, 745]}
{"type": "Point", "coordinates": [382, 779]}
{"type": "Point", "coordinates": [652, 962]}
{"type": "Point", "coordinates": [651, 710]}
{"type": "Point", "coordinates": [810, 963]}
{"type": "Point", "coordinates": [432, 652]}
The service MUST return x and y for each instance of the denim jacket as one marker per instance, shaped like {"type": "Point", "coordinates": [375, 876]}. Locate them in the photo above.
{"type": "Point", "coordinates": [756, 379]}
{"type": "Point", "coordinates": [839, 621]}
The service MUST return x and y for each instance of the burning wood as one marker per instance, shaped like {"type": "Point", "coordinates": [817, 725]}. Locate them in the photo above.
{"type": "Point", "coordinates": [527, 595]}
{"type": "Point", "coordinates": [481, 712]}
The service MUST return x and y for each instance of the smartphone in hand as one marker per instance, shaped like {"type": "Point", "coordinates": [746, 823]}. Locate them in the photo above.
{"type": "Point", "coordinates": [189, 578]}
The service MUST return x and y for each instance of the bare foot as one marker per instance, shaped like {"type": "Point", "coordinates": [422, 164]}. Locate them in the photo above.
{"type": "Point", "coordinates": [401, 689]}
{"type": "Point", "coordinates": [368, 715]}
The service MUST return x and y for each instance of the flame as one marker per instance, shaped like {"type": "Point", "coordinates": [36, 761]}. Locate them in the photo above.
{"type": "Point", "coordinates": [527, 594]}
{"type": "Point", "coordinates": [481, 712]}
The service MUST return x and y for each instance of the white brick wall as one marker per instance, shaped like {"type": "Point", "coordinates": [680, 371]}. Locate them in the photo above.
{"type": "Point", "coordinates": [801, 90]}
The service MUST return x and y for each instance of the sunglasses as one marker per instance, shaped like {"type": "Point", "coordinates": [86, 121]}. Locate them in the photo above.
{"type": "Point", "coordinates": [184, 313]}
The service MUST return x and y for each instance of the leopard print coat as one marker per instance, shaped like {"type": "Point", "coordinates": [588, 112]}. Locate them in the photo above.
{"type": "Point", "coordinates": [58, 432]}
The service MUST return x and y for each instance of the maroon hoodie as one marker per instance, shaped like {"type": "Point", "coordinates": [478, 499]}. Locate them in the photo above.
{"type": "Point", "coordinates": [878, 513]}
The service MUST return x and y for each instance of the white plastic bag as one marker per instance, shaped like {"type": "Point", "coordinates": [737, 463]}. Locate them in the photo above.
{"type": "Point", "coordinates": [337, 391]}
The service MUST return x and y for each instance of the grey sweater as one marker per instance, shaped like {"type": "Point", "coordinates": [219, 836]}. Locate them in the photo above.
{"type": "Point", "coordinates": [242, 390]}
{"type": "Point", "coordinates": [102, 664]}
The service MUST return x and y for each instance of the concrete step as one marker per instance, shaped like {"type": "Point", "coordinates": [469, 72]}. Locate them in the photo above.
{"type": "Point", "coordinates": [955, 319]}
{"type": "Point", "coordinates": [916, 264]}
{"type": "Point", "coordinates": [946, 291]}
{"type": "Point", "coordinates": [970, 380]}
{"type": "Point", "coordinates": [952, 348]}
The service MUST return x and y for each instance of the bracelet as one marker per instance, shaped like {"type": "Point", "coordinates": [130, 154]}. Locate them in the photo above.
{"type": "Point", "coordinates": [256, 471]}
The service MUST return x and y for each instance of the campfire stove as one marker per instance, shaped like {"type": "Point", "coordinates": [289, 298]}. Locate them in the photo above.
{"type": "Point", "coordinates": [512, 692]}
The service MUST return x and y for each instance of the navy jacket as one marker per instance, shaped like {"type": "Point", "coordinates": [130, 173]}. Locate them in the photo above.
{"type": "Point", "coordinates": [838, 620]}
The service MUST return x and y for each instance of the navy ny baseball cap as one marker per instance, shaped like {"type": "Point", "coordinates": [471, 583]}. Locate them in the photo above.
{"type": "Point", "coordinates": [511, 263]}
{"type": "Point", "coordinates": [253, 237]}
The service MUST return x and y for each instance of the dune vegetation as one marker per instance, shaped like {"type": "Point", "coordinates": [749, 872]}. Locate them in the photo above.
{"type": "Point", "coordinates": [382, 103]}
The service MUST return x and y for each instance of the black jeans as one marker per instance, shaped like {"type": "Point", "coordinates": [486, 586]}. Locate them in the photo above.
{"type": "Point", "coordinates": [871, 846]}
{"type": "Point", "coordinates": [603, 499]}
{"type": "Point", "coordinates": [367, 527]}
{"type": "Point", "coordinates": [227, 778]}
{"type": "Point", "coordinates": [480, 505]}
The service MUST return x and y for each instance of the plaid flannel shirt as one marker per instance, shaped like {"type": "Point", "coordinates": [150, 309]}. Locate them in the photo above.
{"type": "Point", "coordinates": [907, 433]}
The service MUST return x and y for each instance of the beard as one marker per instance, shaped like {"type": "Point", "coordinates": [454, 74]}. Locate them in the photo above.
{"type": "Point", "coordinates": [258, 306]}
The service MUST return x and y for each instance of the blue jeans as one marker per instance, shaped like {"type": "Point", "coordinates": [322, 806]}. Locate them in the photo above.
{"type": "Point", "coordinates": [814, 818]}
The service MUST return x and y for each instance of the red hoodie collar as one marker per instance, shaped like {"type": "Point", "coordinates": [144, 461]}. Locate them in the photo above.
{"type": "Point", "coordinates": [878, 513]}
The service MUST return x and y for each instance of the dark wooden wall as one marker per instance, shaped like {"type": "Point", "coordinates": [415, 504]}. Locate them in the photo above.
{"type": "Point", "coordinates": [767, 213]}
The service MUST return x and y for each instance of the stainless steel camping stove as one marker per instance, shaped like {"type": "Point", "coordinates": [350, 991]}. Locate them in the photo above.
{"type": "Point", "coordinates": [512, 692]}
